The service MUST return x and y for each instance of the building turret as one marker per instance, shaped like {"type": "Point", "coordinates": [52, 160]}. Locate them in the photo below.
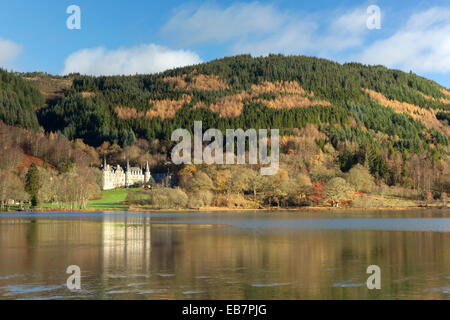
{"type": "Point", "coordinates": [147, 173]}
{"type": "Point", "coordinates": [105, 176]}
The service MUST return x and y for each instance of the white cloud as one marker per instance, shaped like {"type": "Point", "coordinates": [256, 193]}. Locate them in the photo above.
{"type": "Point", "coordinates": [421, 45]}
{"type": "Point", "coordinates": [353, 22]}
{"type": "Point", "coordinates": [260, 29]}
{"type": "Point", "coordinates": [211, 23]}
{"type": "Point", "coordinates": [125, 61]}
{"type": "Point", "coordinates": [293, 38]}
{"type": "Point", "coordinates": [8, 51]}
{"type": "Point", "coordinates": [305, 36]}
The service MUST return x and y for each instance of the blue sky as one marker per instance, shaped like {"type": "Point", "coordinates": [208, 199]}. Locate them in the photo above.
{"type": "Point", "coordinates": [134, 36]}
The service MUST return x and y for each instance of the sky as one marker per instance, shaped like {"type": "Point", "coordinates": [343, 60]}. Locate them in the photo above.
{"type": "Point", "coordinates": [145, 36]}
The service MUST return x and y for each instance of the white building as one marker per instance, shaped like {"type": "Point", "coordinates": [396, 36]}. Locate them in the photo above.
{"type": "Point", "coordinates": [118, 178]}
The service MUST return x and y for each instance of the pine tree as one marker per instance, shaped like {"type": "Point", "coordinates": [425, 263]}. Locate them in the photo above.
{"type": "Point", "coordinates": [32, 183]}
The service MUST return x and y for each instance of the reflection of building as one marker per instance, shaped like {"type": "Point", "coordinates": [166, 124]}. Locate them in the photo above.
{"type": "Point", "coordinates": [118, 178]}
{"type": "Point", "coordinates": [127, 244]}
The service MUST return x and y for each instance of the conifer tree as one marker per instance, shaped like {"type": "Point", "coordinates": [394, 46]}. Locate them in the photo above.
{"type": "Point", "coordinates": [32, 183]}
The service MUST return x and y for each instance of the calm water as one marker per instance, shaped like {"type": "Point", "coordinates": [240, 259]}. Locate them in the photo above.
{"type": "Point", "coordinates": [226, 255]}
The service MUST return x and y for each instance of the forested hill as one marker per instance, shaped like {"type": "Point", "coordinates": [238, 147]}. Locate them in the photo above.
{"type": "Point", "coordinates": [346, 102]}
{"type": "Point", "coordinates": [18, 101]}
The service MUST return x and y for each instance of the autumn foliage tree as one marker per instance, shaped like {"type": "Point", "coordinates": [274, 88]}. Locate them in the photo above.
{"type": "Point", "coordinates": [338, 189]}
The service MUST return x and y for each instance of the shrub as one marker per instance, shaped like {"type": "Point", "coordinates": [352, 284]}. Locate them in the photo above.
{"type": "Point", "coordinates": [177, 198]}
{"type": "Point", "coordinates": [159, 198]}
{"type": "Point", "coordinates": [360, 178]}
{"type": "Point", "coordinates": [319, 173]}
{"type": "Point", "coordinates": [201, 182]}
{"type": "Point", "coordinates": [338, 189]}
{"type": "Point", "coordinates": [195, 203]}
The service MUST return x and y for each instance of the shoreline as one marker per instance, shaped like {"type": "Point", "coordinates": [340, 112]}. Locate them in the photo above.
{"type": "Point", "coordinates": [225, 209]}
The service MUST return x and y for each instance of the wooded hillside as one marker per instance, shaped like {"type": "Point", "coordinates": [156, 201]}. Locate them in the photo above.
{"type": "Point", "coordinates": [389, 124]}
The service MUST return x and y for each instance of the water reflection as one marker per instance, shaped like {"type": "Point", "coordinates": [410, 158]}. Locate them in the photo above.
{"type": "Point", "coordinates": [232, 256]}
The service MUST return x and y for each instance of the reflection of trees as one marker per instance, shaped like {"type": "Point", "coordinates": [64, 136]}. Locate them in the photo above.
{"type": "Point", "coordinates": [311, 261]}
{"type": "Point", "coordinates": [46, 247]}
{"type": "Point", "coordinates": [32, 233]}
{"type": "Point", "coordinates": [223, 262]}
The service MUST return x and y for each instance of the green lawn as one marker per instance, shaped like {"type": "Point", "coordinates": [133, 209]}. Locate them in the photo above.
{"type": "Point", "coordinates": [111, 199]}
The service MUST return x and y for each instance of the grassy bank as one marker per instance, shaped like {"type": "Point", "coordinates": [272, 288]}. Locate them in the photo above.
{"type": "Point", "coordinates": [111, 200]}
